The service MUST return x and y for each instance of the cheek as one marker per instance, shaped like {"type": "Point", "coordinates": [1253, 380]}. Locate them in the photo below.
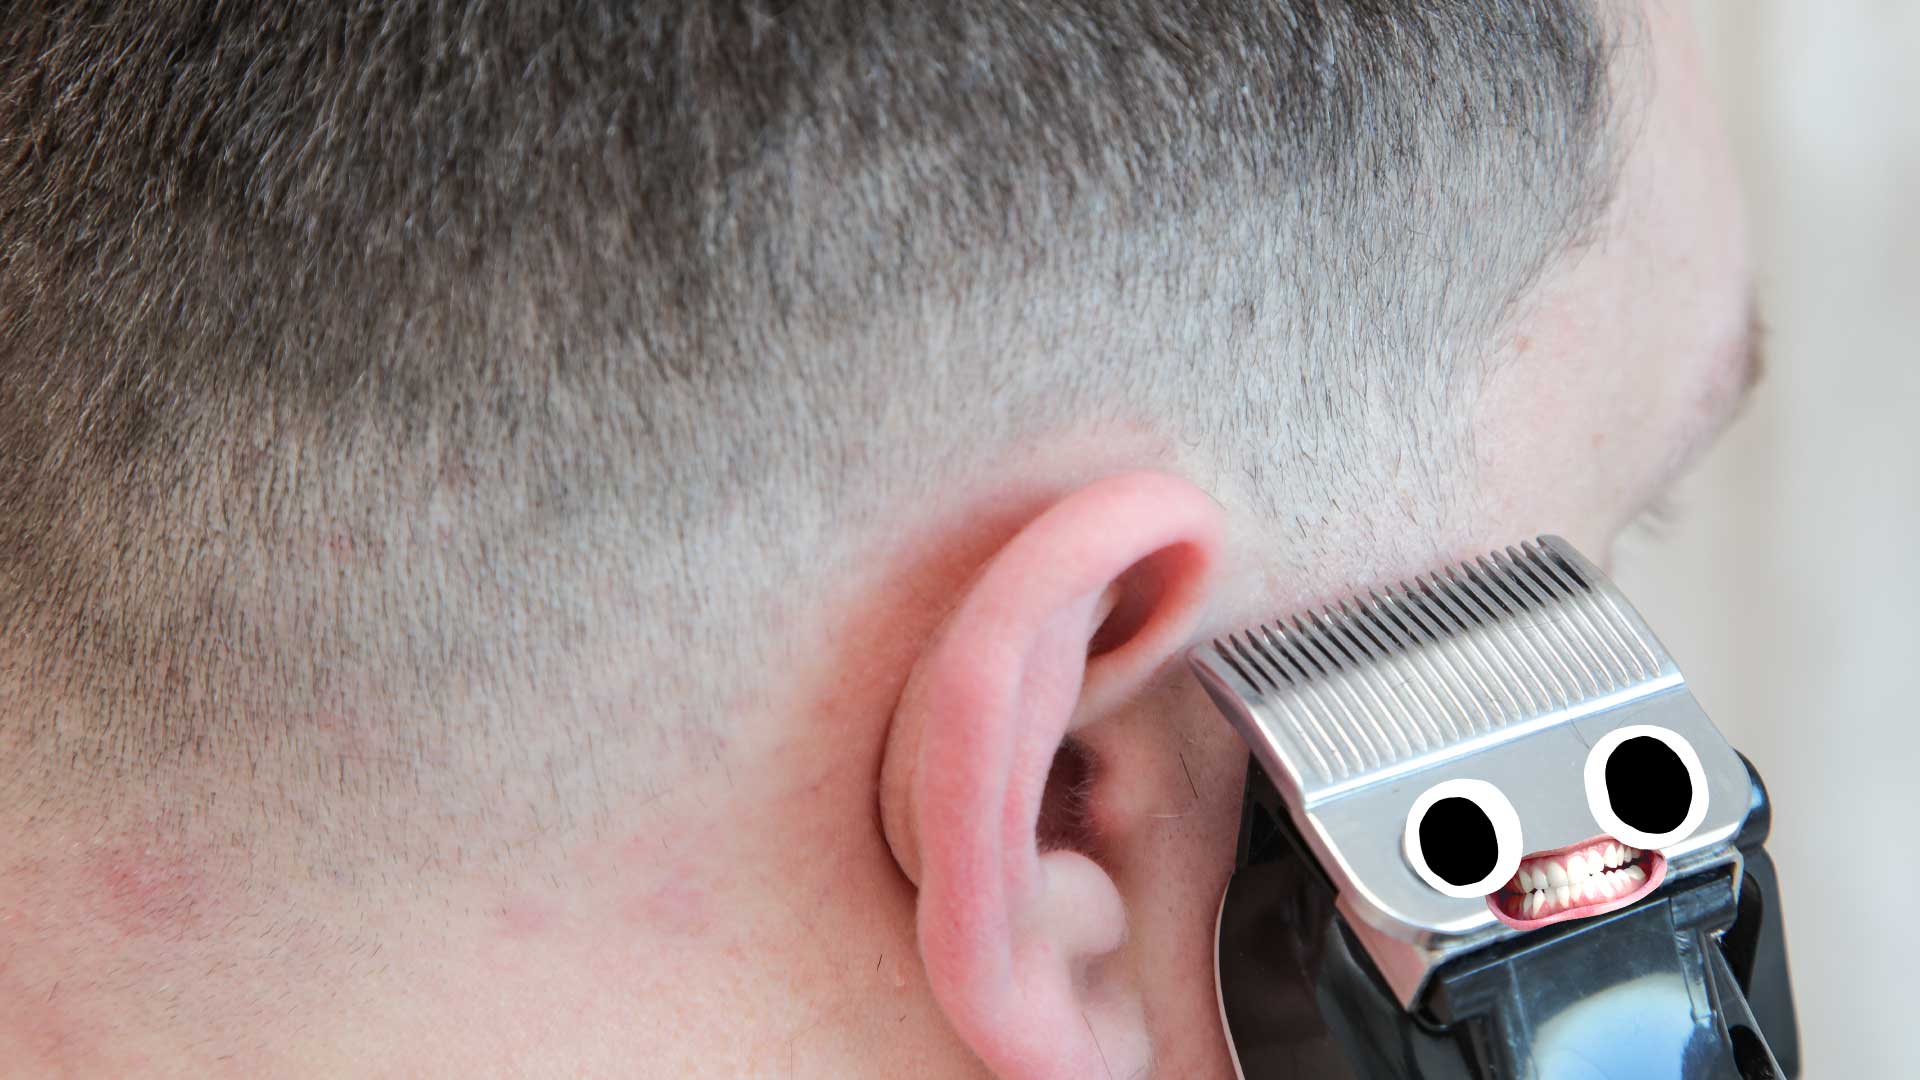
{"type": "Point", "coordinates": [1594, 394]}
{"type": "Point", "coordinates": [1549, 430]}
{"type": "Point", "coordinates": [1598, 393]}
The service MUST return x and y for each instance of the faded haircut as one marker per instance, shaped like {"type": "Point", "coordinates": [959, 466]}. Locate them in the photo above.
{"type": "Point", "coordinates": [361, 358]}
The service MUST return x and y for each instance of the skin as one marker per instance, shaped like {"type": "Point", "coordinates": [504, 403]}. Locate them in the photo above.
{"type": "Point", "coordinates": [855, 888]}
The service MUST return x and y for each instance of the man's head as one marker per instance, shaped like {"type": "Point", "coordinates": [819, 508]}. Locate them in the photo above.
{"type": "Point", "coordinates": [688, 514]}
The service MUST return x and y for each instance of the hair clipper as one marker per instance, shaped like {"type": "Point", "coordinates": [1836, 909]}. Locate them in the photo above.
{"type": "Point", "coordinates": [1488, 832]}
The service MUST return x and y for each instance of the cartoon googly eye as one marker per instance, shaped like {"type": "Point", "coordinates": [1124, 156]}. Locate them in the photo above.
{"type": "Point", "coordinates": [1645, 786]}
{"type": "Point", "coordinates": [1463, 838]}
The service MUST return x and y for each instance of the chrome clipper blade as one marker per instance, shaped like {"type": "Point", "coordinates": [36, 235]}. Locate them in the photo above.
{"type": "Point", "coordinates": [1506, 669]}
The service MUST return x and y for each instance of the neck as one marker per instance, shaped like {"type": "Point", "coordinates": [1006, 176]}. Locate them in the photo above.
{"type": "Point", "coordinates": [745, 918]}
{"type": "Point", "coordinates": [768, 891]}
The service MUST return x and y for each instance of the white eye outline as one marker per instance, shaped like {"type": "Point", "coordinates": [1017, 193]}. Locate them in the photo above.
{"type": "Point", "coordinates": [1599, 802]}
{"type": "Point", "coordinates": [1506, 834]}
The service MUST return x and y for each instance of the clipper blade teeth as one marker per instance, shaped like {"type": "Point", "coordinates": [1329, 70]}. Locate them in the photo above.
{"type": "Point", "coordinates": [1402, 673]}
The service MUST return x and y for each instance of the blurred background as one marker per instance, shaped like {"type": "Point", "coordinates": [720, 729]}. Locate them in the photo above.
{"type": "Point", "coordinates": [1787, 587]}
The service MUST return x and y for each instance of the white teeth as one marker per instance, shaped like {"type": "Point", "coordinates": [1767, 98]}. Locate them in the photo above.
{"type": "Point", "coordinates": [1601, 872]}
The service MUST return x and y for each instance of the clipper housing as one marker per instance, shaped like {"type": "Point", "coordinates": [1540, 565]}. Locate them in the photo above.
{"type": "Point", "coordinates": [1508, 669]}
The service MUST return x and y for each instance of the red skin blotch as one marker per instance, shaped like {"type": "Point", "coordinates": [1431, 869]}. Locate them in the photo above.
{"type": "Point", "coordinates": [524, 917]}
{"type": "Point", "coordinates": [147, 891]}
{"type": "Point", "coordinates": [674, 909]}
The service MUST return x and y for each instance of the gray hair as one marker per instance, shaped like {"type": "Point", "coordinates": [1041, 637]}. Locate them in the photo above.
{"type": "Point", "coordinates": [361, 358]}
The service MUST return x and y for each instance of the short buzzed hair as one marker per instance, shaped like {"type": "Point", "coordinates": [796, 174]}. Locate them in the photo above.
{"type": "Point", "coordinates": [359, 358]}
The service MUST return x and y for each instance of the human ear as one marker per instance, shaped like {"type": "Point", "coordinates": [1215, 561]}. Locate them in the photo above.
{"type": "Point", "coordinates": [1072, 616]}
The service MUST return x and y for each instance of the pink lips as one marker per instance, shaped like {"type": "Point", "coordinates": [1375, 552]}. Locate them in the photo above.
{"type": "Point", "coordinates": [1576, 881]}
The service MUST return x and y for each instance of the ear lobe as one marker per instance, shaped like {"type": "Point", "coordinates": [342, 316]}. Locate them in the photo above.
{"type": "Point", "coordinates": [1073, 615]}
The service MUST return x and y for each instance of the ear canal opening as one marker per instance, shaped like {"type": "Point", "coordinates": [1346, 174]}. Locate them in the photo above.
{"type": "Point", "coordinates": [1066, 819]}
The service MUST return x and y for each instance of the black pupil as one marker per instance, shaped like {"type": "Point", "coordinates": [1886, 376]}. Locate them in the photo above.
{"type": "Point", "coordinates": [1457, 838]}
{"type": "Point", "coordinates": [1648, 785]}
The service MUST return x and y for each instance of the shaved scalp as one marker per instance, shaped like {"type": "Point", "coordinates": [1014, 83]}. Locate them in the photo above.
{"type": "Point", "coordinates": [373, 371]}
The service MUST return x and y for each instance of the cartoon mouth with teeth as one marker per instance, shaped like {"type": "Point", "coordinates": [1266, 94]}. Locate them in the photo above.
{"type": "Point", "coordinates": [1588, 878]}
{"type": "Point", "coordinates": [1646, 790]}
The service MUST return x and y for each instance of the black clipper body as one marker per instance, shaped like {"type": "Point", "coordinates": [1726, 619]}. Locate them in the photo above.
{"type": "Point", "coordinates": [1359, 937]}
